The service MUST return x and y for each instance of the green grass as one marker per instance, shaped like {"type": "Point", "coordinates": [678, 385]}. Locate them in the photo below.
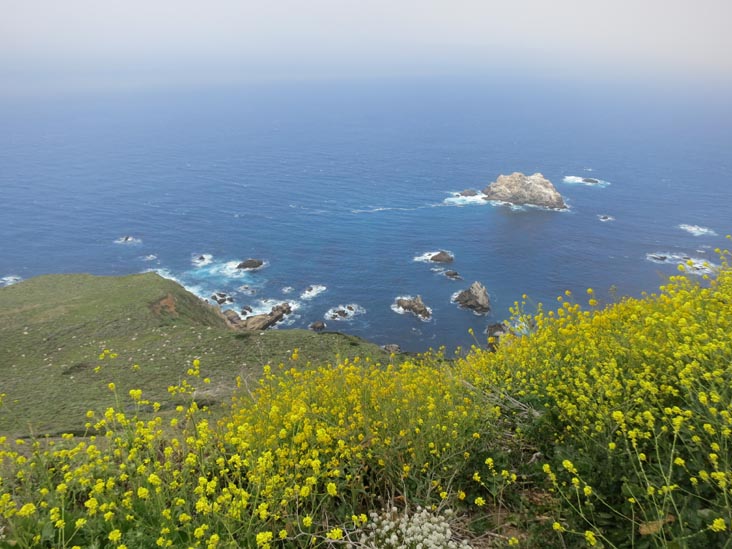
{"type": "Point", "coordinates": [54, 327]}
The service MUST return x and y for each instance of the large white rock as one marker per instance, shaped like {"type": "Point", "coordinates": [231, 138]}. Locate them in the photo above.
{"type": "Point", "coordinates": [520, 189]}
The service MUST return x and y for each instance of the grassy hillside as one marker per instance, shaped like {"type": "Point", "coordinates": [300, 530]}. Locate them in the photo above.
{"type": "Point", "coordinates": [53, 329]}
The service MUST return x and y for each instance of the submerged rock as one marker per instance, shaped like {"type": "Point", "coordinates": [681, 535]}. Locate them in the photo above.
{"type": "Point", "coordinates": [520, 189]}
{"type": "Point", "coordinates": [474, 298]}
{"type": "Point", "coordinates": [415, 306]}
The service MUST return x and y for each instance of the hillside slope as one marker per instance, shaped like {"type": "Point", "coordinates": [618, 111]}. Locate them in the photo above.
{"type": "Point", "coordinates": [54, 327]}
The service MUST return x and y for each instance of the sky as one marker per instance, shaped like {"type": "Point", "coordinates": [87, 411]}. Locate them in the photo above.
{"type": "Point", "coordinates": [96, 44]}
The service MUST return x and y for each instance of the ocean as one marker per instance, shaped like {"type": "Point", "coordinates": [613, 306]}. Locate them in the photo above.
{"type": "Point", "coordinates": [342, 187]}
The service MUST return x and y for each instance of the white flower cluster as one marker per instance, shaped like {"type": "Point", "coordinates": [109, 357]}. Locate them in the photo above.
{"type": "Point", "coordinates": [420, 530]}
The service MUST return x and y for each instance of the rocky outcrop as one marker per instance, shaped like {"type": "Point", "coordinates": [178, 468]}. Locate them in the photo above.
{"type": "Point", "coordinates": [590, 180]}
{"type": "Point", "coordinates": [453, 275]}
{"type": "Point", "coordinates": [474, 298]}
{"type": "Point", "coordinates": [414, 305]}
{"type": "Point", "coordinates": [392, 348]}
{"type": "Point", "coordinates": [442, 257]}
{"type": "Point", "coordinates": [250, 264]}
{"type": "Point", "coordinates": [232, 318]}
{"type": "Point", "coordinates": [520, 189]}
{"type": "Point", "coordinates": [469, 192]}
{"type": "Point", "coordinates": [317, 326]}
{"type": "Point", "coordinates": [262, 322]}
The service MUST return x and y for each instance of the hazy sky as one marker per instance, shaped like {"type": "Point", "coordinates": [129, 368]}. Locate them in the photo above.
{"type": "Point", "coordinates": [111, 43]}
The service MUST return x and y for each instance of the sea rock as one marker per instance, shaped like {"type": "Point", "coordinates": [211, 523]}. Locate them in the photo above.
{"type": "Point", "coordinates": [519, 189]}
{"type": "Point", "coordinates": [496, 331]}
{"type": "Point", "coordinates": [392, 348]}
{"type": "Point", "coordinates": [474, 298]}
{"type": "Point", "coordinates": [469, 192]}
{"type": "Point", "coordinates": [339, 313]}
{"type": "Point", "coordinates": [246, 310]}
{"type": "Point", "coordinates": [262, 322]}
{"type": "Point", "coordinates": [221, 298]}
{"type": "Point", "coordinates": [453, 275]}
{"type": "Point", "coordinates": [415, 306]}
{"type": "Point", "coordinates": [317, 326]}
{"type": "Point", "coordinates": [590, 180]}
{"type": "Point", "coordinates": [442, 257]}
{"type": "Point", "coordinates": [250, 264]}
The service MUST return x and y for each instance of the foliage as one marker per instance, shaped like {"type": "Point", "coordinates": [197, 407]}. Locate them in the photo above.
{"type": "Point", "coordinates": [636, 401]}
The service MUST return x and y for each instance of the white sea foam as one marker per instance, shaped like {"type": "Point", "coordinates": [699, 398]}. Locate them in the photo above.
{"type": "Point", "coordinates": [605, 218]}
{"type": "Point", "coordinates": [587, 181]}
{"type": "Point", "coordinates": [151, 257]}
{"type": "Point", "coordinates": [697, 230]}
{"type": "Point", "coordinates": [196, 290]}
{"type": "Point", "coordinates": [401, 311]}
{"type": "Point", "coordinates": [313, 291]}
{"type": "Point", "coordinates": [201, 260]}
{"type": "Point", "coordinates": [129, 240]}
{"type": "Point", "coordinates": [246, 289]}
{"type": "Point", "coordinates": [427, 256]}
{"type": "Point", "coordinates": [348, 312]}
{"type": "Point", "coordinates": [288, 290]}
{"type": "Point", "coordinates": [9, 280]}
{"type": "Point", "coordinates": [395, 209]}
{"type": "Point", "coordinates": [693, 265]}
{"type": "Point", "coordinates": [456, 199]}
{"type": "Point", "coordinates": [229, 269]}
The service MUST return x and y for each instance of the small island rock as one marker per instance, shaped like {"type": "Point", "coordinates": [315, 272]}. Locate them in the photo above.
{"type": "Point", "coordinates": [442, 257]}
{"type": "Point", "coordinates": [250, 264]}
{"type": "Point", "coordinates": [520, 189]}
{"type": "Point", "coordinates": [453, 275]}
{"type": "Point", "coordinates": [474, 298]}
{"type": "Point", "coordinates": [469, 192]}
{"type": "Point", "coordinates": [415, 306]}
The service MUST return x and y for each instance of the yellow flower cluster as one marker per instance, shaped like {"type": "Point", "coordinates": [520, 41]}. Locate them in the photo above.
{"type": "Point", "coordinates": [304, 459]}
{"type": "Point", "coordinates": [640, 392]}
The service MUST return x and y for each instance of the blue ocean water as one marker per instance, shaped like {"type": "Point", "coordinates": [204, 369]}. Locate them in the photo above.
{"type": "Point", "coordinates": [339, 186]}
